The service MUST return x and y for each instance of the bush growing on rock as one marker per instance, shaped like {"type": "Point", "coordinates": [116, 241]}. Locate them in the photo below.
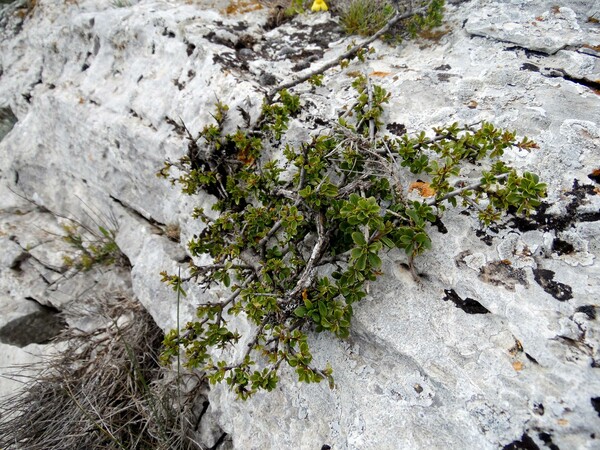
{"type": "Point", "coordinates": [298, 239]}
{"type": "Point", "coordinates": [366, 17]}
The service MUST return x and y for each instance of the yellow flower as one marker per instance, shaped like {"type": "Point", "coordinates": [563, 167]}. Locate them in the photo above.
{"type": "Point", "coordinates": [319, 5]}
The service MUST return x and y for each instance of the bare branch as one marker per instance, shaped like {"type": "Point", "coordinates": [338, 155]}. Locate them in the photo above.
{"type": "Point", "coordinates": [347, 55]}
{"type": "Point", "coordinates": [371, 120]}
{"type": "Point", "coordinates": [308, 273]}
{"type": "Point", "coordinates": [471, 187]}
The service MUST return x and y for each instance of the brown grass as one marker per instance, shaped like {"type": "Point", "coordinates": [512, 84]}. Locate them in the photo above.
{"type": "Point", "coordinates": [103, 390]}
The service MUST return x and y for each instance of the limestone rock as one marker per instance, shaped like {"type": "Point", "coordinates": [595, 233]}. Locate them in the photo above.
{"type": "Point", "coordinates": [497, 345]}
{"type": "Point", "coordinates": [548, 32]}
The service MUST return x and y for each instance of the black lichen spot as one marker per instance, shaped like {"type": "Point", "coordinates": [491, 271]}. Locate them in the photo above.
{"type": "Point", "coordinates": [396, 128]}
{"type": "Point", "coordinates": [216, 39]}
{"type": "Point", "coordinates": [538, 408]}
{"type": "Point", "coordinates": [168, 33]}
{"type": "Point", "coordinates": [526, 443]}
{"type": "Point", "coordinates": [190, 49]}
{"type": "Point", "coordinates": [596, 404]}
{"type": "Point", "coordinates": [595, 176]}
{"type": "Point", "coordinates": [539, 220]}
{"type": "Point", "coordinates": [440, 226]}
{"type": "Point", "coordinates": [559, 291]}
{"type": "Point", "coordinates": [485, 238]}
{"type": "Point", "coordinates": [85, 67]}
{"type": "Point", "coordinates": [443, 67]}
{"type": "Point", "coordinates": [531, 67]}
{"type": "Point", "coordinates": [468, 305]}
{"type": "Point", "coordinates": [546, 438]}
{"type": "Point", "coordinates": [444, 77]}
{"type": "Point", "coordinates": [588, 310]}
{"type": "Point", "coordinates": [562, 247]}
{"type": "Point", "coordinates": [226, 59]}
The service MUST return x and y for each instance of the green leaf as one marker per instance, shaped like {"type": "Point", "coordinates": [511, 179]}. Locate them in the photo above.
{"type": "Point", "coordinates": [359, 238]}
{"type": "Point", "coordinates": [387, 242]}
{"type": "Point", "coordinates": [361, 262]}
{"type": "Point", "coordinates": [322, 309]}
{"type": "Point", "coordinates": [300, 311]}
{"type": "Point", "coordinates": [374, 260]}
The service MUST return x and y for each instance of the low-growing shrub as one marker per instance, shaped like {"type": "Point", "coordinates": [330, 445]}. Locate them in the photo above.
{"type": "Point", "coordinates": [297, 239]}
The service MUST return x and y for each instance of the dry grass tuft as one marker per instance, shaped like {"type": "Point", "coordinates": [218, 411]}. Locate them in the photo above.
{"type": "Point", "coordinates": [103, 390]}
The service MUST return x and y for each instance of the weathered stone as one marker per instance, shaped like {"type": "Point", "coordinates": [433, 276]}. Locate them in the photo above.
{"type": "Point", "coordinates": [548, 32]}
{"type": "Point", "coordinates": [112, 85]}
{"type": "Point", "coordinates": [12, 254]}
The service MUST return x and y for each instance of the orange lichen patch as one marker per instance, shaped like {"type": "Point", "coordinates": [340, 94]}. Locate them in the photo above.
{"type": "Point", "coordinates": [597, 190]}
{"type": "Point", "coordinates": [539, 19]}
{"type": "Point", "coordinates": [592, 19]}
{"type": "Point", "coordinates": [353, 74]}
{"type": "Point", "coordinates": [379, 74]}
{"type": "Point", "coordinates": [242, 6]}
{"type": "Point", "coordinates": [472, 104]}
{"type": "Point", "coordinates": [423, 188]}
{"type": "Point", "coordinates": [563, 422]}
{"type": "Point", "coordinates": [518, 366]}
{"type": "Point", "coordinates": [555, 9]}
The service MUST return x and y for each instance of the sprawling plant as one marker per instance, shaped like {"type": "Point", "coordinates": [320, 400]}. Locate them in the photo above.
{"type": "Point", "coordinates": [296, 239]}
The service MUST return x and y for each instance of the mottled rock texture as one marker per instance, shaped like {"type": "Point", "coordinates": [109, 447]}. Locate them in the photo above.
{"type": "Point", "coordinates": [497, 345]}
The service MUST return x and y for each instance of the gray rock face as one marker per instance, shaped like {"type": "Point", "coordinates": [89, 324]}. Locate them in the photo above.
{"type": "Point", "coordinates": [498, 343]}
{"type": "Point", "coordinates": [547, 32]}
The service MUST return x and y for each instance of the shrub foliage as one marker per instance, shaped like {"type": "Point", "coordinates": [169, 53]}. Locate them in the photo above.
{"type": "Point", "coordinates": [296, 239]}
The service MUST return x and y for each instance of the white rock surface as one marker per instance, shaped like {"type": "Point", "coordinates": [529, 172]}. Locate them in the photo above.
{"type": "Point", "coordinates": [520, 24]}
{"type": "Point", "coordinates": [97, 89]}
